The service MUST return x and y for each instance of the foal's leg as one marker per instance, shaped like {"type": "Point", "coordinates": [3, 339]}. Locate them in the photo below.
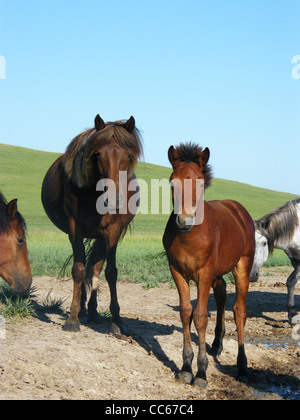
{"type": "Point", "coordinates": [241, 273]}
{"type": "Point", "coordinates": [291, 283]}
{"type": "Point", "coordinates": [186, 314]}
{"type": "Point", "coordinates": [219, 287]}
{"type": "Point", "coordinates": [200, 320]}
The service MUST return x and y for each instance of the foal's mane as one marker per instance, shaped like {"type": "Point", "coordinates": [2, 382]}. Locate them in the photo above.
{"type": "Point", "coordinates": [280, 223]}
{"type": "Point", "coordinates": [4, 219]}
{"type": "Point", "coordinates": [78, 160]}
{"type": "Point", "coordinates": [190, 152]}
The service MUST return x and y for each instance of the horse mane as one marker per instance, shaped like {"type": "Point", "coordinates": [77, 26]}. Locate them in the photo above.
{"type": "Point", "coordinates": [190, 152]}
{"type": "Point", "coordinates": [78, 159]}
{"type": "Point", "coordinates": [279, 224]}
{"type": "Point", "coordinates": [4, 219]}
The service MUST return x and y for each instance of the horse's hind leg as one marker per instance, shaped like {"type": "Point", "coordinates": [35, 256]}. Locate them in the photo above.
{"type": "Point", "coordinates": [242, 274]}
{"type": "Point", "coordinates": [92, 305]}
{"type": "Point", "coordinates": [95, 261]}
{"type": "Point", "coordinates": [291, 283]}
{"type": "Point", "coordinates": [219, 288]}
{"type": "Point", "coordinates": [83, 299]}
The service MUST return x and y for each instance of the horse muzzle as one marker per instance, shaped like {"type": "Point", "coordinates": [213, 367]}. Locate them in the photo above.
{"type": "Point", "coordinates": [185, 223]}
{"type": "Point", "coordinates": [20, 285]}
{"type": "Point", "coordinates": [254, 276]}
{"type": "Point", "coordinates": [114, 204]}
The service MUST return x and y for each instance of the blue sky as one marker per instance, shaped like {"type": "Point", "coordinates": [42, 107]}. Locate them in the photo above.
{"type": "Point", "coordinates": [216, 72]}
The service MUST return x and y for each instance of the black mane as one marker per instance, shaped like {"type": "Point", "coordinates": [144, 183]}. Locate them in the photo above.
{"type": "Point", "coordinates": [279, 224]}
{"type": "Point", "coordinates": [190, 152]}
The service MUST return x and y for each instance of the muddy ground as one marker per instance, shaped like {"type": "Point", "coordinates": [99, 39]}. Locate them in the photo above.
{"type": "Point", "coordinates": [38, 360]}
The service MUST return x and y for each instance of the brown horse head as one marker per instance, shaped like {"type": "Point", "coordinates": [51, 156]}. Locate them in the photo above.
{"type": "Point", "coordinates": [102, 153]}
{"type": "Point", "coordinates": [14, 264]}
{"type": "Point", "coordinates": [191, 173]}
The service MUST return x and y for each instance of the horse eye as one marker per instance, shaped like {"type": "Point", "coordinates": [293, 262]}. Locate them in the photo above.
{"type": "Point", "coordinates": [265, 244]}
{"type": "Point", "coordinates": [20, 241]}
{"type": "Point", "coordinates": [97, 155]}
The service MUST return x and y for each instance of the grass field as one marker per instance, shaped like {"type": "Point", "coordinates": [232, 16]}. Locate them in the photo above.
{"type": "Point", "coordinates": [140, 254]}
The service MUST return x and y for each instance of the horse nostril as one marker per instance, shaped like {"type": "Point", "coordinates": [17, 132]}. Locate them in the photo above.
{"type": "Point", "coordinates": [180, 220]}
{"type": "Point", "coordinates": [254, 277]}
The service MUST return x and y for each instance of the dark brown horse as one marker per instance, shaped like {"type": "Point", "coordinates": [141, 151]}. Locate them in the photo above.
{"type": "Point", "coordinates": [14, 264]}
{"type": "Point", "coordinates": [70, 200]}
{"type": "Point", "coordinates": [223, 241]}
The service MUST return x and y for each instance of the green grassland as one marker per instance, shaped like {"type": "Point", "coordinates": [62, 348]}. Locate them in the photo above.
{"type": "Point", "coordinates": [140, 253]}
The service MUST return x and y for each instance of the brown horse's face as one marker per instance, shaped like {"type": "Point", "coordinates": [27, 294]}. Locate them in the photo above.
{"type": "Point", "coordinates": [187, 181]}
{"type": "Point", "coordinates": [113, 162]}
{"type": "Point", "coordinates": [14, 264]}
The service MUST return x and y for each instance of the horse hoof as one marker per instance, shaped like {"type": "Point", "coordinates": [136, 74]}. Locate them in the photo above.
{"type": "Point", "coordinates": [200, 383]}
{"type": "Point", "coordinates": [118, 330]}
{"type": "Point", "coordinates": [71, 326]}
{"type": "Point", "coordinates": [295, 319]}
{"type": "Point", "coordinates": [185, 377]}
{"type": "Point", "coordinates": [216, 351]}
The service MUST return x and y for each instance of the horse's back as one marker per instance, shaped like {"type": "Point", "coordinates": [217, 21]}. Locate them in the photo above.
{"type": "Point", "coordinates": [53, 195]}
{"type": "Point", "coordinates": [234, 222]}
{"type": "Point", "coordinates": [231, 209]}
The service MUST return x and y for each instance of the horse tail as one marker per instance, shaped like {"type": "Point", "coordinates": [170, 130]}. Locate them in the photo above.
{"type": "Point", "coordinates": [62, 272]}
{"type": "Point", "coordinates": [86, 248]}
{"type": "Point", "coordinates": [93, 248]}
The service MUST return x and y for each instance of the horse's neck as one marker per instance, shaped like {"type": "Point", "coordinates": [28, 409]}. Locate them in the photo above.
{"type": "Point", "coordinates": [294, 243]}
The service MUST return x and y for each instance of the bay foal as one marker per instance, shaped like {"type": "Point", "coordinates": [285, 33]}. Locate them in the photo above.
{"type": "Point", "coordinates": [223, 241]}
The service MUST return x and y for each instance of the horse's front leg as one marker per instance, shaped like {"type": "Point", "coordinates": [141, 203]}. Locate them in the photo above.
{"type": "Point", "coordinates": [111, 274]}
{"type": "Point", "coordinates": [78, 275]}
{"type": "Point", "coordinates": [186, 315]}
{"type": "Point", "coordinates": [200, 317]}
{"type": "Point", "coordinates": [291, 283]}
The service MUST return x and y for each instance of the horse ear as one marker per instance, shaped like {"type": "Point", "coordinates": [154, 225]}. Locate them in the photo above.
{"type": "Point", "coordinates": [173, 156]}
{"type": "Point", "coordinates": [130, 125]}
{"type": "Point", "coordinates": [266, 224]}
{"type": "Point", "coordinates": [99, 123]}
{"type": "Point", "coordinates": [12, 209]}
{"type": "Point", "coordinates": [204, 156]}
{"type": "Point", "coordinates": [263, 224]}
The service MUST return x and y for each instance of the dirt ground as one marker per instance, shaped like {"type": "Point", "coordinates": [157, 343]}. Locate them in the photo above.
{"type": "Point", "coordinates": [38, 360]}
